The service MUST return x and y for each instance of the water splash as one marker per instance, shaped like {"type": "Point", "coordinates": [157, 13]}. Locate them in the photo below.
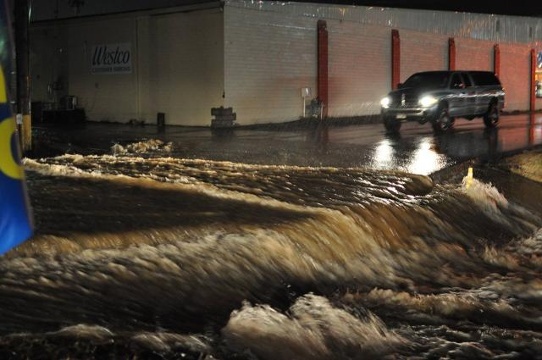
{"type": "Point", "coordinates": [312, 329]}
{"type": "Point", "coordinates": [397, 265]}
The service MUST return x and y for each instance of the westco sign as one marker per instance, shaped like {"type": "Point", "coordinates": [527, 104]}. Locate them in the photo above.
{"type": "Point", "coordinates": [111, 59]}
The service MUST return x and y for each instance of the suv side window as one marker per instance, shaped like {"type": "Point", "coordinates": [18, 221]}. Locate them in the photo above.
{"type": "Point", "coordinates": [457, 82]}
{"type": "Point", "coordinates": [484, 78]}
{"type": "Point", "coordinates": [466, 79]}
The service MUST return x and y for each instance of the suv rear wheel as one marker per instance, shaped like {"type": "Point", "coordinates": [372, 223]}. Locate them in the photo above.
{"type": "Point", "coordinates": [444, 121]}
{"type": "Point", "coordinates": [491, 117]}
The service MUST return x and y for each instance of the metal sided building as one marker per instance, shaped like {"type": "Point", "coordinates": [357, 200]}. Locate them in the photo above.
{"type": "Point", "coordinates": [265, 60]}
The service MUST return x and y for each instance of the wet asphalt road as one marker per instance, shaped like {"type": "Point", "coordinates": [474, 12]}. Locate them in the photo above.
{"type": "Point", "coordinates": [416, 149]}
{"type": "Point", "coordinates": [444, 157]}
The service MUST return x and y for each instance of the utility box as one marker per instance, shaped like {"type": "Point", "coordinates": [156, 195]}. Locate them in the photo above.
{"type": "Point", "coordinates": [223, 117]}
{"type": "Point", "coordinates": [314, 109]}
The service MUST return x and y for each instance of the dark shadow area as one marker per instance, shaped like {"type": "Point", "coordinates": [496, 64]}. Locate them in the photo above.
{"type": "Point", "coordinates": [223, 134]}
{"type": "Point", "coordinates": [314, 123]}
{"type": "Point", "coordinates": [464, 145]}
{"type": "Point", "coordinates": [85, 205]}
{"type": "Point", "coordinates": [515, 188]}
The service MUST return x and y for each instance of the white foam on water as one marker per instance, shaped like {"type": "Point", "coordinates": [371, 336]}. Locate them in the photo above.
{"type": "Point", "coordinates": [312, 329]}
{"type": "Point", "coordinates": [486, 195]}
{"type": "Point", "coordinates": [143, 147]}
{"type": "Point", "coordinates": [413, 248]}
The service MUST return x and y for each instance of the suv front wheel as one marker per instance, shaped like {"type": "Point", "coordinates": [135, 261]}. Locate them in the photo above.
{"type": "Point", "coordinates": [444, 121]}
{"type": "Point", "coordinates": [491, 117]}
{"type": "Point", "coordinates": [391, 124]}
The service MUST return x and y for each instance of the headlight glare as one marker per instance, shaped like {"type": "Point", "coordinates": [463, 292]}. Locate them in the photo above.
{"type": "Point", "coordinates": [385, 102]}
{"type": "Point", "coordinates": [428, 101]}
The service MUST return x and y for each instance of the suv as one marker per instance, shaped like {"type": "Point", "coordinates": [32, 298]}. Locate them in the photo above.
{"type": "Point", "coordinates": [439, 97]}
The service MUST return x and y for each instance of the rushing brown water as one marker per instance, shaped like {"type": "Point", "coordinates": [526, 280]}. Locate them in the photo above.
{"type": "Point", "coordinates": [161, 258]}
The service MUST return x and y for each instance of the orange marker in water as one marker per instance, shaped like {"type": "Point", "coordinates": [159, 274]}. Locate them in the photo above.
{"type": "Point", "coordinates": [468, 181]}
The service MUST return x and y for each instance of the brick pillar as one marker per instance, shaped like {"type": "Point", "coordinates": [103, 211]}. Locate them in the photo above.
{"type": "Point", "coordinates": [395, 59]}
{"type": "Point", "coordinates": [497, 60]}
{"type": "Point", "coordinates": [532, 95]}
{"type": "Point", "coordinates": [323, 86]}
{"type": "Point", "coordinates": [451, 54]}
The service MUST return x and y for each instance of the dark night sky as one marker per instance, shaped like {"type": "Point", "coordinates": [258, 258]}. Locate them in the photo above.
{"type": "Point", "coordinates": [44, 9]}
{"type": "Point", "coordinates": [521, 8]}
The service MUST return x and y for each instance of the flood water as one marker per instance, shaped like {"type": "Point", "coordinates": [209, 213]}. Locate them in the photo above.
{"type": "Point", "coordinates": [146, 256]}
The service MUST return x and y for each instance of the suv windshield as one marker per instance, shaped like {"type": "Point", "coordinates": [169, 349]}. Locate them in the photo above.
{"type": "Point", "coordinates": [427, 80]}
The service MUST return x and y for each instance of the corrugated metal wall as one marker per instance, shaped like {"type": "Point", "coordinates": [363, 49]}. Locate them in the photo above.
{"type": "Point", "coordinates": [185, 58]}
{"type": "Point", "coordinates": [357, 79]}
{"type": "Point", "coordinates": [516, 75]}
{"type": "Point", "coordinates": [360, 53]}
{"type": "Point", "coordinates": [268, 59]}
{"type": "Point", "coordinates": [257, 56]}
{"type": "Point", "coordinates": [422, 51]}
{"type": "Point", "coordinates": [177, 65]}
{"type": "Point", "coordinates": [474, 54]}
{"type": "Point", "coordinates": [495, 28]}
{"type": "Point", "coordinates": [60, 65]}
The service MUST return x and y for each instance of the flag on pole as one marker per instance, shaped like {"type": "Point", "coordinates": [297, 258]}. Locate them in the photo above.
{"type": "Point", "coordinates": [16, 224]}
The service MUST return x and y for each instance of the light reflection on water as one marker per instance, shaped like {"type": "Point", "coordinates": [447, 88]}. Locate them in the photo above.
{"type": "Point", "coordinates": [165, 256]}
{"type": "Point", "coordinates": [424, 159]}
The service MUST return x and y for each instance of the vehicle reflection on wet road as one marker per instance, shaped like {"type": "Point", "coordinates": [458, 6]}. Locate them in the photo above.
{"type": "Point", "coordinates": [416, 149]}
